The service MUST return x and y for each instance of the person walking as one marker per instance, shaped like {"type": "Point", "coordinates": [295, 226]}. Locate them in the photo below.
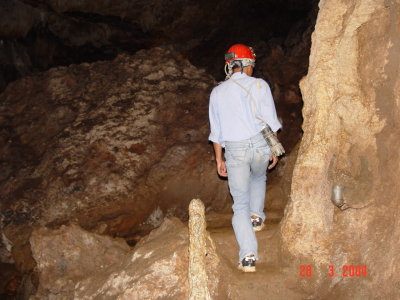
{"type": "Point", "coordinates": [239, 109]}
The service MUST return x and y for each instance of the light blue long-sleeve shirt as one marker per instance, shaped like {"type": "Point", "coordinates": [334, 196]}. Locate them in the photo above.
{"type": "Point", "coordinates": [231, 109]}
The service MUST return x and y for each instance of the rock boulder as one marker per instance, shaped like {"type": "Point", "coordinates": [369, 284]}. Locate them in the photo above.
{"type": "Point", "coordinates": [75, 264]}
{"type": "Point", "coordinates": [113, 146]}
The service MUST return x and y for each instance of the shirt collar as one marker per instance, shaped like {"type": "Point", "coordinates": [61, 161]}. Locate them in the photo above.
{"type": "Point", "coordinates": [239, 75]}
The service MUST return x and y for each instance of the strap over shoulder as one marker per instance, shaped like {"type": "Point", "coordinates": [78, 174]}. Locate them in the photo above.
{"type": "Point", "coordinates": [273, 142]}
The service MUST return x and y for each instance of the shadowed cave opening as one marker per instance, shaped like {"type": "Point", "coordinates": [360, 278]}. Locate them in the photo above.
{"type": "Point", "coordinates": [37, 36]}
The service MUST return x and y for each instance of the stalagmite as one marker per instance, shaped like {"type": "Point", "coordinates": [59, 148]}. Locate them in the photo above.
{"type": "Point", "coordinates": [197, 252]}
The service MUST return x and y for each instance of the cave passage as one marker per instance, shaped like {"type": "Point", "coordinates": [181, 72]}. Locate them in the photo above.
{"type": "Point", "coordinates": [100, 105]}
{"type": "Point", "coordinates": [103, 143]}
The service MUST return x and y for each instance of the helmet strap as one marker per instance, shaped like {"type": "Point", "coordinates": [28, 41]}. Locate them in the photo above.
{"type": "Point", "coordinates": [229, 67]}
{"type": "Point", "coordinates": [228, 71]}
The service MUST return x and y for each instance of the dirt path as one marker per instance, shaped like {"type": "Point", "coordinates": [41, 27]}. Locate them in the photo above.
{"type": "Point", "coordinates": [272, 280]}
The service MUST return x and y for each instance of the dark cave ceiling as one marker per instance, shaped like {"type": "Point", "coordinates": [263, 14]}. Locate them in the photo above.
{"type": "Point", "coordinates": [37, 35]}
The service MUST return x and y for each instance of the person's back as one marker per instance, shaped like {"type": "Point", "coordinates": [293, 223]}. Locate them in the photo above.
{"type": "Point", "coordinates": [237, 109]}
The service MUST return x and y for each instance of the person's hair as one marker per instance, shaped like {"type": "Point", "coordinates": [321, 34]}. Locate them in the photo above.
{"type": "Point", "coordinates": [237, 64]}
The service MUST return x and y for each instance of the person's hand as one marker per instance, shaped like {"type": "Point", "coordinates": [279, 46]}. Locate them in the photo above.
{"type": "Point", "coordinates": [274, 160]}
{"type": "Point", "coordinates": [221, 168]}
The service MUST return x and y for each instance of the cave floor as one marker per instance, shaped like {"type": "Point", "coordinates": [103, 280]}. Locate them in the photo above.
{"type": "Point", "coordinates": [272, 280]}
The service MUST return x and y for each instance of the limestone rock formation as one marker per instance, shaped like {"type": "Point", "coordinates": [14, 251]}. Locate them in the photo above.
{"type": "Point", "coordinates": [69, 255]}
{"type": "Point", "coordinates": [351, 136]}
{"type": "Point", "coordinates": [40, 35]}
{"type": "Point", "coordinates": [197, 252]}
{"type": "Point", "coordinates": [91, 266]}
{"type": "Point", "coordinates": [113, 146]}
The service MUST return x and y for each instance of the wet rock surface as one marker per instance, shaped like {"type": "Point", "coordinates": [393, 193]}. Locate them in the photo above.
{"type": "Point", "coordinates": [112, 146]}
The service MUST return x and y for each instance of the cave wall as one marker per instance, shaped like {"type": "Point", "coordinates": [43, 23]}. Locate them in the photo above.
{"type": "Point", "coordinates": [113, 146]}
{"type": "Point", "coordinates": [351, 136]}
{"type": "Point", "coordinates": [38, 35]}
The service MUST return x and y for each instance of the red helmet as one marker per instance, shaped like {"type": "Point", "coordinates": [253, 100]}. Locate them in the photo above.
{"type": "Point", "coordinates": [239, 52]}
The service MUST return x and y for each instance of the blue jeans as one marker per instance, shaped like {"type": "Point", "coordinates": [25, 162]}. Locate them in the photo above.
{"type": "Point", "coordinates": [247, 163]}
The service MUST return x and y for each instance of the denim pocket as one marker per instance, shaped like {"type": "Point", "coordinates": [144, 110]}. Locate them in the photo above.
{"type": "Point", "coordinates": [264, 151]}
{"type": "Point", "coordinates": [235, 156]}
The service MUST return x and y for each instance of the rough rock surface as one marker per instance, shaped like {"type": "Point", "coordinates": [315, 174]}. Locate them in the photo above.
{"type": "Point", "coordinates": [157, 268]}
{"type": "Point", "coordinates": [69, 255]}
{"type": "Point", "coordinates": [279, 184]}
{"type": "Point", "coordinates": [112, 146]}
{"type": "Point", "coordinates": [40, 35]}
{"type": "Point", "coordinates": [37, 35]}
{"type": "Point", "coordinates": [351, 137]}
{"type": "Point", "coordinates": [283, 62]}
{"type": "Point", "coordinates": [197, 252]}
